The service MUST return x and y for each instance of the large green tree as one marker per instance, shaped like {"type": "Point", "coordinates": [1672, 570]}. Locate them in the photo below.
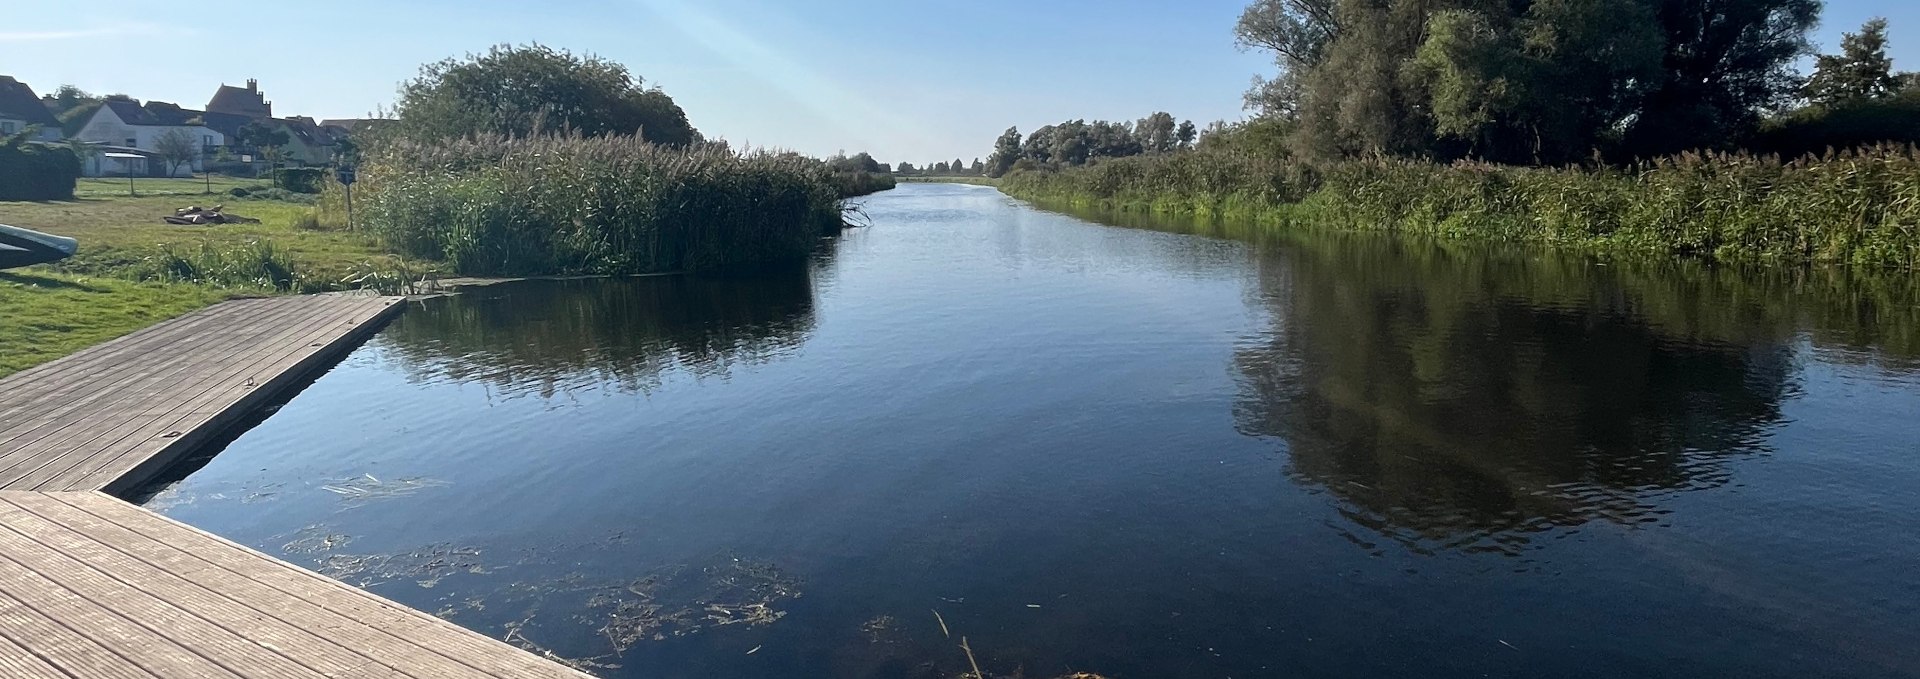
{"type": "Point", "coordinates": [1725, 62]}
{"type": "Point", "coordinates": [1157, 133]}
{"type": "Point", "coordinates": [537, 89]}
{"type": "Point", "coordinates": [1523, 80]}
{"type": "Point", "coordinates": [1006, 152]}
{"type": "Point", "coordinates": [1551, 85]}
{"type": "Point", "coordinates": [1862, 69]}
{"type": "Point", "coordinates": [1297, 33]}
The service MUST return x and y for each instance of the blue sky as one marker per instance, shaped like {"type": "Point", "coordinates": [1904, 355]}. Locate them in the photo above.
{"type": "Point", "coordinates": [908, 80]}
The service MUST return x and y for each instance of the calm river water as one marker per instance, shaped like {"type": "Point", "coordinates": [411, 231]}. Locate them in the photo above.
{"type": "Point", "coordinates": [1142, 453]}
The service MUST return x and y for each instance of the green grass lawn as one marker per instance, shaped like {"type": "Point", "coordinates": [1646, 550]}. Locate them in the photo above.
{"type": "Point", "coordinates": [52, 310]}
{"type": "Point", "coordinates": [45, 315]}
{"type": "Point", "coordinates": [116, 233]}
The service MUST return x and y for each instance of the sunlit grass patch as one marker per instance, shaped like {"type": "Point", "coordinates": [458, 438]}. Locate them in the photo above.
{"type": "Point", "coordinates": [46, 315]}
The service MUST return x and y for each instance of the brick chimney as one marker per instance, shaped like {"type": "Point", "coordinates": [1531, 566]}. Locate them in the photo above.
{"type": "Point", "coordinates": [253, 85]}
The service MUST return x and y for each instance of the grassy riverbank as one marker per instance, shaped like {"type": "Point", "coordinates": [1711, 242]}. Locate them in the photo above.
{"type": "Point", "coordinates": [123, 237]}
{"type": "Point", "coordinates": [977, 181]}
{"type": "Point", "coordinates": [1858, 208]}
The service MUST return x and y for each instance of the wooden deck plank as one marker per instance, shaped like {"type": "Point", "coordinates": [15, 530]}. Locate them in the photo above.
{"type": "Point", "coordinates": [103, 440]}
{"type": "Point", "coordinates": [52, 422]}
{"type": "Point", "coordinates": [98, 357]}
{"type": "Point", "coordinates": [472, 647]}
{"type": "Point", "coordinates": [91, 586]}
{"type": "Point", "coordinates": [56, 397]}
{"type": "Point", "coordinates": [140, 376]}
{"type": "Point", "coordinates": [209, 419]}
{"type": "Point", "coordinates": [126, 641]}
{"type": "Point", "coordinates": [237, 643]}
{"type": "Point", "coordinates": [154, 560]}
{"type": "Point", "coordinates": [222, 385]}
{"type": "Point", "coordinates": [17, 661]}
{"type": "Point", "coordinates": [59, 645]}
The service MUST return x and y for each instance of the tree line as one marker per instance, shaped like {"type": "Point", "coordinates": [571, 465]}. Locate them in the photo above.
{"type": "Point", "coordinates": [1077, 142]}
{"type": "Point", "coordinates": [1543, 82]}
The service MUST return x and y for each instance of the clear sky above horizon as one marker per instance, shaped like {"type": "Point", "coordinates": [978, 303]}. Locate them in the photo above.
{"type": "Point", "coordinates": [913, 81]}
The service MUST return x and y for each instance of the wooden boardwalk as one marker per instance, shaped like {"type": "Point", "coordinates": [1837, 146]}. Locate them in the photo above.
{"type": "Point", "coordinates": [112, 416]}
{"type": "Point", "coordinates": [91, 586]}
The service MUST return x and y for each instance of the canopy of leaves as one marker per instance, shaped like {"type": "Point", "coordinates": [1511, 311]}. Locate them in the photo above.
{"type": "Point", "coordinates": [533, 89]}
{"type": "Point", "coordinates": [1861, 70]}
{"type": "Point", "coordinates": [1544, 81]}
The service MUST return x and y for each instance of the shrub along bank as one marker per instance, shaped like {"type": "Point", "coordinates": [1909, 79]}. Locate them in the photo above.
{"type": "Point", "coordinates": [31, 171]}
{"type": "Point", "coordinates": [495, 205]}
{"type": "Point", "coordinates": [1859, 208]}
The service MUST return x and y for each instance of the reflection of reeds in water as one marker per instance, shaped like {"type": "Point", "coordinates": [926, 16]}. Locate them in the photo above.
{"type": "Point", "coordinates": [1860, 312]}
{"type": "Point", "coordinates": [546, 337]}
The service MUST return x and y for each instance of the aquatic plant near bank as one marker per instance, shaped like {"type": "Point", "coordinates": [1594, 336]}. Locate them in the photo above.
{"type": "Point", "coordinates": [1860, 208]}
{"type": "Point", "coordinates": [253, 264]}
{"type": "Point", "coordinates": [606, 205]}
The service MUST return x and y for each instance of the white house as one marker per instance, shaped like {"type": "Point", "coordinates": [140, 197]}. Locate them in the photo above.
{"type": "Point", "coordinates": [21, 109]}
{"type": "Point", "coordinates": [120, 122]}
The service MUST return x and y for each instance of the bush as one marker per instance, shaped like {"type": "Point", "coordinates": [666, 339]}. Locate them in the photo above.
{"type": "Point", "coordinates": [605, 205]}
{"type": "Point", "coordinates": [234, 168]}
{"type": "Point", "coordinates": [1817, 129]}
{"type": "Point", "coordinates": [300, 179]}
{"type": "Point", "coordinates": [31, 171]}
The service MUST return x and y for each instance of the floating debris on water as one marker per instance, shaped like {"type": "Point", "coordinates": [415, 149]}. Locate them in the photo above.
{"type": "Point", "coordinates": [452, 609]}
{"type": "Point", "coordinates": [675, 601]}
{"type": "Point", "coordinates": [943, 625]}
{"type": "Point", "coordinates": [425, 566]}
{"type": "Point", "coordinates": [315, 539]}
{"type": "Point", "coordinates": [882, 629]}
{"type": "Point", "coordinates": [669, 603]}
{"type": "Point", "coordinates": [365, 488]}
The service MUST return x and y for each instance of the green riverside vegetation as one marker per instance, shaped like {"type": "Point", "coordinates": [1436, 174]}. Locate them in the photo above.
{"type": "Point", "coordinates": [576, 168]}
{"type": "Point", "coordinates": [520, 161]}
{"type": "Point", "coordinates": [603, 205]}
{"type": "Point", "coordinates": [1858, 207]}
{"type": "Point", "coordinates": [1631, 127]}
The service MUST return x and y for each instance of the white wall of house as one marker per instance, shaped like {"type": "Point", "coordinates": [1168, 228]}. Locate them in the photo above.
{"type": "Point", "coordinates": [105, 127]}
{"type": "Point", "coordinates": [10, 126]}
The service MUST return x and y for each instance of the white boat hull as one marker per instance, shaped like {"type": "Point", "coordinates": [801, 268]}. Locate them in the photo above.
{"type": "Point", "coordinates": [26, 247]}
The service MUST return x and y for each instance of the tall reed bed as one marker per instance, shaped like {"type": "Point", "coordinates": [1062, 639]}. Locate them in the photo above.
{"type": "Point", "coordinates": [852, 184]}
{"type": "Point", "coordinates": [1860, 208]}
{"type": "Point", "coordinates": [603, 205]}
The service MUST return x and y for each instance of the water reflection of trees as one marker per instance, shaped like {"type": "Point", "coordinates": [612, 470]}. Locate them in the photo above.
{"type": "Point", "coordinates": [547, 337]}
{"type": "Point", "coordinates": [1471, 402]}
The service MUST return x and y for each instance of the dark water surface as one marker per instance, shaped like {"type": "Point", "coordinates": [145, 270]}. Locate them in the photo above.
{"type": "Point", "coordinates": [1135, 452]}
